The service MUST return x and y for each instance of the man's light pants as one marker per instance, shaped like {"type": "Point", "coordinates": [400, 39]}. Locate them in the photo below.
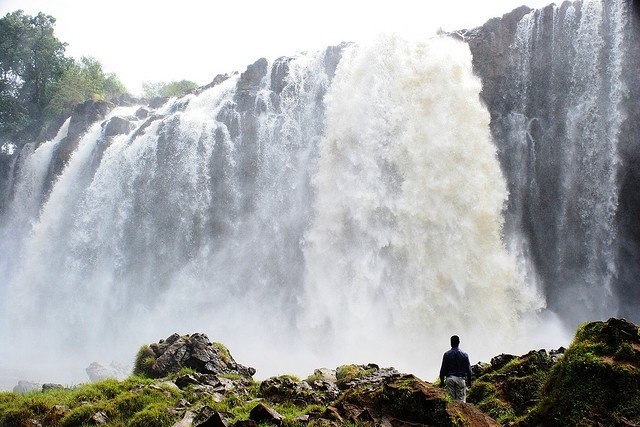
{"type": "Point", "coordinates": [456, 388]}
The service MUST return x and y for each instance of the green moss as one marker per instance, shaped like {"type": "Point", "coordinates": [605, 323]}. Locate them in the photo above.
{"type": "Point", "coordinates": [317, 376]}
{"type": "Point", "coordinates": [232, 376]}
{"type": "Point", "coordinates": [223, 352]}
{"type": "Point", "coordinates": [481, 390]}
{"type": "Point", "coordinates": [154, 415]}
{"type": "Point", "coordinates": [625, 352]}
{"type": "Point", "coordinates": [511, 391]}
{"type": "Point", "coordinates": [594, 382]}
{"type": "Point", "coordinates": [129, 403]}
{"type": "Point", "coordinates": [497, 409]}
{"type": "Point", "coordinates": [120, 401]}
{"type": "Point", "coordinates": [14, 416]}
{"type": "Point", "coordinates": [290, 412]}
{"type": "Point", "coordinates": [180, 373]}
{"type": "Point", "coordinates": [81, 415]}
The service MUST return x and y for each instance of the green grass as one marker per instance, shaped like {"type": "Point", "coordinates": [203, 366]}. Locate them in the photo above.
{"type": "Point", "coordinates": [122, 401]}
{"type": "Point", "coordinates": [348, 373]}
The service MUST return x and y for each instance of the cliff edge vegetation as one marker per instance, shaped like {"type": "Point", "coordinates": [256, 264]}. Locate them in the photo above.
{"type": "Point", "coordinates": [187, 380]}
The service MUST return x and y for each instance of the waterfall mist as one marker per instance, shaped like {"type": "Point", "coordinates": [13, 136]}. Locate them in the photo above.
{"type": "Point", "coordinates": [353, 205]}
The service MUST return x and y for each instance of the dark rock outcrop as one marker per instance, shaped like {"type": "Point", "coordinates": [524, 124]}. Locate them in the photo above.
{"type": "Point", "coordinates": [8, 156]}
{"type": "Point", "coordinates": [84, 115]}
{"type": "Point", "coordinates": [214, 420]}
{"type": "Point", "coordinates": [249, 84]}
{"type": "Point", "coordinates": [117, 126]}
{"type": "Point", "coordinates": [195, 352]}
{"type": "Point", "coordinates": [262, 414]}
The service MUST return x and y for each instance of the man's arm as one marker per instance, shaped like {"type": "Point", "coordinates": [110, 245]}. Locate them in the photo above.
{"type": "Point", "coordinates": [443, 369]}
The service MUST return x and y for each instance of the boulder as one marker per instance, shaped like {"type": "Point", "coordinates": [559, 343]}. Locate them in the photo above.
{"type": "Point", "coordinates": [349, 376]}
{"type": "Point", "coordinates": [51, 386]}
{"type": "Point", "coordinates": [215, 420]}
{"type": "Point", "coordinates": [289, 389]}
{"type": "Point", "coordinates": [117, 126]}
{"type": "Point", "coordinates": [99, 418]}
{"type": "Point", "coordinates": [206, 382]}
{"type": "Point", "coordinates": [142, 113]}
{"type": "Point", "coordinates": [195, 352]}
{"type": "Point", "coordinates": [26, 387]}
{"type": "Point", "coordinates": [262, 414]}
{"type": "Point", "coordinates": [157, 102]}
{"type": "Point", "coordinates": [99, 372]}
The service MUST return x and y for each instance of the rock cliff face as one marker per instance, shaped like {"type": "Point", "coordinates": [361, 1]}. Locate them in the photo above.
{"type": "Point", "coordinates": [561, 85]}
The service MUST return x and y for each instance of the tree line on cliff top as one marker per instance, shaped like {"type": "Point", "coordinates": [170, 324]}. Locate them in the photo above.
{"type": "Point", "coordinates": [39, 84]}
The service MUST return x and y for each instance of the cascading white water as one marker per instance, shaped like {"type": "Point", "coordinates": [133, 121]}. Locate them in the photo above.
{"type": "Point", "coordinates": [28, 192]}
{"type": "Point", "coordinates": [405, 246]}
{"type": "Point", "coordinates": [190, 222]}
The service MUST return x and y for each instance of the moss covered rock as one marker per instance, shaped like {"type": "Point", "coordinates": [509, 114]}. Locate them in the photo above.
{"type": "Point", "coordinates": [403, 400]}
{"type": "Point", "coordinates": [194, 351]}
{"type": "Point", "coordinates": [597, 382]}
{"type": "Point", "coordinates": [508, 389]}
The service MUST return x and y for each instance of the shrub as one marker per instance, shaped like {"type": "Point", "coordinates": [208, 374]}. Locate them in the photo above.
{"type": "Point", "coordinates": [143, 365]}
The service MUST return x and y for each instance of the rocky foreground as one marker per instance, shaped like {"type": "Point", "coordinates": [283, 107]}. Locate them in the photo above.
{"type": "Point", "coordinates": [189, 381]}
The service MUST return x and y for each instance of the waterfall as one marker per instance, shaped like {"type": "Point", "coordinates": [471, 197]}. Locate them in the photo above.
{"type": "Point", "coordinates": [191, 221]}
{"type": "Point", "coordinates": [560, 152]}
{"type": "Point", "coordinates": [405, 245]}
{"type": "Point", "coordinates": [353, 205]}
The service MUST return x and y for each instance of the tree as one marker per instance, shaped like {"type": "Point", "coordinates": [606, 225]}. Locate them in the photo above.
{"type": "Point", "coordinates": [82, 81]}
{"type": "Point", "coordinates": [38, 83]}
{"type": "Point", "coordinates": [168, 90]}
{"type": "Point", "coordinates": [31, 61]}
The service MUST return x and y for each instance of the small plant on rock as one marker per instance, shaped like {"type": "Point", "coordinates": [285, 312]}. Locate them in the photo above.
{"type": "Point", "coordinates": [145, 359]}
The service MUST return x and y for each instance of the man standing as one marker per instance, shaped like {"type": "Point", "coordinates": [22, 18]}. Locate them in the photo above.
{"type": "Point", "coordinates": [455, 370]}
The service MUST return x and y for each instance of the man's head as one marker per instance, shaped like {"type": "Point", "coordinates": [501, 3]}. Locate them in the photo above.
{"type": "Point", "coordinates": [455, 341]}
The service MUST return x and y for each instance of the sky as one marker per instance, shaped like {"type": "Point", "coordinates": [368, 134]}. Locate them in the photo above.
{"type": "Point", "coordinates": [162, 41]}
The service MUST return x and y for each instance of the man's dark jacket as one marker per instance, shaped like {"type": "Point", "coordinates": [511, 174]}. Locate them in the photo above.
{"type": "Point", "coordinates": [455, 362]}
